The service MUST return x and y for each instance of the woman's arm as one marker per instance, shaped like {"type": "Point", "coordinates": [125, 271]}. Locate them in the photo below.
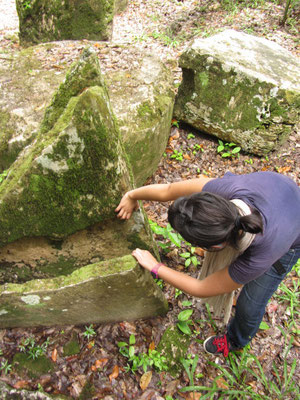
{"type": "Point", "coordinates": [217, 283]}
{"type": "Point", "coordinates": [159, 192]}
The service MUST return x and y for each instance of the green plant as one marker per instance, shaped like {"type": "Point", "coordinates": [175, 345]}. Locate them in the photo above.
{"type": "Point", "coordinates": [178, 292]}
{"type": "Point", "coordinates": [197, 148]}
{"type": "Point", "coordinates": [291, 296]}
{"type": "Point", "coordinates": [177, 155]}
{"type": "Point", "coordinates": [27, 4]}
{"type": "Point", "coordinates": [34, 350]}
{"type": "Point", "coordinates": [168, 233]}
{"type": "Point", "coordinates": [240, 369]}
{"type": "Point", "coordinates": [160, 283]}
{"type": "Point", "coordinates": [190, 136]}
{"type": "Point", "coordinates": [250, 161]}
{"type": "Point", "coordinates": [164, 38]}
{"type": "Point", "coordinates": [5, 367]}
{"type": "Point", "coordinates": [190, 365]}
{"type": "Point", "coordinates": [89, 332]}
{"type": "Point", "coordinates": [143, 360]}
{"type": "Point", "coordinates": [184, 321]}
{"type": "Point", "coordinates": [228, 149]}
{"type": "Point", "coordinates": [3, 175]}
{"type": "Point", "coordinates": [190, 257]}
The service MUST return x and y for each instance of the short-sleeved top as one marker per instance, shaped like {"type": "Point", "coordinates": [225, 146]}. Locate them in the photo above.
{"type": "Point", "coordinates": [277, 198]}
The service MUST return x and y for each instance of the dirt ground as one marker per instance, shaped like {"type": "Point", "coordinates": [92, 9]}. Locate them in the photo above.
{"type": "Point", "coordinates": [164, 28]}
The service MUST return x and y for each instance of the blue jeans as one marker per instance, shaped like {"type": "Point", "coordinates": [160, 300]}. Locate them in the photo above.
{"type": "Point", "coordinates": [252, 301]}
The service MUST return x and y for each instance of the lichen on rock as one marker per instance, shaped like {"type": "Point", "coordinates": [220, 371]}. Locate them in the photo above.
{"type": "Point", "coordinates": [240, 88]}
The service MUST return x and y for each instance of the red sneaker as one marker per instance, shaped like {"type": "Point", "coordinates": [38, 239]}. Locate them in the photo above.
{"type": "Point", "coordinates": [217, 344]}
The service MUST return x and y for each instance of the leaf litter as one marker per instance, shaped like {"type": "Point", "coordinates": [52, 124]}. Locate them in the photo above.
{"type": "Point", "coordinates": [98, 365]}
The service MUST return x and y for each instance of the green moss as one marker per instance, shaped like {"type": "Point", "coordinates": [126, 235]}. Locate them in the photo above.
{"type": "Point", "coordinates": [137, 242]}
{"type": "Point", "coordinates": [103, 268]}
{"type": "Point", "coordinates": [46, 21]}
{"type": "Point", "coordinates": [32, 368]}
{"type": "Point", "coordinates": [72, 347]}
{"type": "Point", "coordinates": [88, 391]}
{"type": "Point", "coordinates": [83, 134]}
{"type": "Point", "coordinates": [173, 346]}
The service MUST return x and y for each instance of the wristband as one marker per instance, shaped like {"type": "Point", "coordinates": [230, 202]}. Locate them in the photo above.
{"type": "Point", "coordinates": [154, 271]}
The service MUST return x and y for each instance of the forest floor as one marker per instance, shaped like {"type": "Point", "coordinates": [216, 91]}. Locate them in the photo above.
{"type": "Point", "coordinates": [97, 370]}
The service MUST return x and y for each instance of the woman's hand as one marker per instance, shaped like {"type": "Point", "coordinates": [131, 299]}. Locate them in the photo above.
{"type": "Point", "coordinates": [126, 207]}
{"type": "Point", "coordinates": [145, 258]}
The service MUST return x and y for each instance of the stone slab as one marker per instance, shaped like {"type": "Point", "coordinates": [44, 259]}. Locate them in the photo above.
{"type": "Point", "coordinates": [109, 291]}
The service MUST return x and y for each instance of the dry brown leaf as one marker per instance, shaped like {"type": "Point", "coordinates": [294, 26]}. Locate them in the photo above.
{"type": "Point", "coordinates": [152, 346]}
{"type": "Point", "coordinates": [91, 344]}
{"type": "Point", "coordinates": [191, 395]}
{"type": "Point", "coordinates": [284, 169]}
{"type": "Point", "coordinates": [221, 383]}
{"type": "Point", "coordinates": [115, 373]}
{"type": "Point", "coordinates": [20, 384]}
{"type": "Point", "coordinates": [199, 251]}
{"type": "Point", "coordinates": [54, 355]}
{"type": "Point", "coordinates": [186, 157]}
{"type": "Point", "coordinates": [145, 380]}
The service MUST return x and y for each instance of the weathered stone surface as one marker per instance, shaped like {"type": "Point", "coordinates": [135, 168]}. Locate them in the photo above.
{"type": "Point", "coordinates": [142, 99]}
{"type": "Point", "coordinates": [114, 290]}
{"type": "Point", "coordinates": [9, 393]}
{"type": "Point", "coordinates": [38, 257]}
{"type": "Point", "coordinates": [49, 20]}
{"type": "Point", "coordinates": [240, 88]}
{"type": "Point", "coordinates": [70, 178]}
{"type": "Point", "coordinates": [26, 90]}
{"type": "Point", "coordinates": [120, 6]}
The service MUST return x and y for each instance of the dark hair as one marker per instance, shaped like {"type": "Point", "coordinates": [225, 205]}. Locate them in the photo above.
{"type": "Point", "coordinates": [205, 219]}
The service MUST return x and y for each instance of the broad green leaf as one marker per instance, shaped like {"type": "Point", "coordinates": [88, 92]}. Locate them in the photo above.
{"type": "Point", "coordinates": [226, 155]}
{"type": "Point", "coordinates": [185, 315]}
{"type": "Point", "coordinates": [183, 326]}
{"type": "Point", "coordinates": [174, 239]}
{"type": "Point", "coordinates": [236, 150]}
{"type": "Point", "coordinates": [220, 148]}
{"type": "Point", "coordinates": [264, 326]}
{"type": "Point", "coordinates": [187, 262]}
{"type": "Point", "coordinates": [194, 261]}
{"type": "Point", "coordinates": [187, 303]}
{"type": "Point", "coordinates": [185, 255]}
{"type": "Point", "coordinates": [132, 339]}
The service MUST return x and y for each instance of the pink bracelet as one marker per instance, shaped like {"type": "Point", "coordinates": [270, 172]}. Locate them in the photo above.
{"type": "Point", "coordinates": [154, 271]}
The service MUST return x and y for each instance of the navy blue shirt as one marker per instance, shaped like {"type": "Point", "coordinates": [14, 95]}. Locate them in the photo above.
{"type": "Point", "coordinates": [277, 198]}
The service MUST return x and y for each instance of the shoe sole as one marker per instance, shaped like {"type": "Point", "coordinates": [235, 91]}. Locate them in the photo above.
{"type": "Point", "coordinates": [205, 341]}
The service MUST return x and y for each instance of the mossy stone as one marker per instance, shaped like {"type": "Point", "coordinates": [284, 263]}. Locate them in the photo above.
{"type": "Point", "coordinates": [72, 347]}
{"type": "Point", "coordinates": [174, 345]}
{"type": "Point", "coordinates": [32, 368]}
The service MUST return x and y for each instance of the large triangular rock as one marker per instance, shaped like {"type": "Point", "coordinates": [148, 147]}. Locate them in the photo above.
{"type": "Point", "coordinates": [72, 177]}
{"type": "Point", "coordinates": [240, 88]}
{"type": "Point", "coordinates": [141, 93]}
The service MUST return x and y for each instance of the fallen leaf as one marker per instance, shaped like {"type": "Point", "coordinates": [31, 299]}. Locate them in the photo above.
{"type": "Point", "coordinates": [191, 395]}
{"type": "Point", "coordinates": [115, 373]}
{"type": "Point", "coordinates": [152, 346]}
{"type": "Point", "coordinates": [54, 355]}
{"type": "Point", "coordinates": [221, 383]}
{"type": "Point", "coordinates": [20, 384]}
{"type": "Point", "coordinates": [199, 251]}
{"type": "Point", "coordinates": [186, 157]}
{"type": "Point", "coordinates": [91, 344]}
{"type": "Point", "coordinates": [145, 380]}
{"type": "Point", "coordinates": [284, 169]}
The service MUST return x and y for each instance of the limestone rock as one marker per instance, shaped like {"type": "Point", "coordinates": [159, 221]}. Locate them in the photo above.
{"type": "Point", "coordinates": [114, 290]}
{"type": "Point", "coordinates": [142, 99]}
{"type": "Point", "coordinates": [240, 88]}
{"type": "Point", "coordinates": [71, 177]}
{"type": "Point", "coordinates": [26, 90]}
{"type": "Point", "coordinates": [50, 20]}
